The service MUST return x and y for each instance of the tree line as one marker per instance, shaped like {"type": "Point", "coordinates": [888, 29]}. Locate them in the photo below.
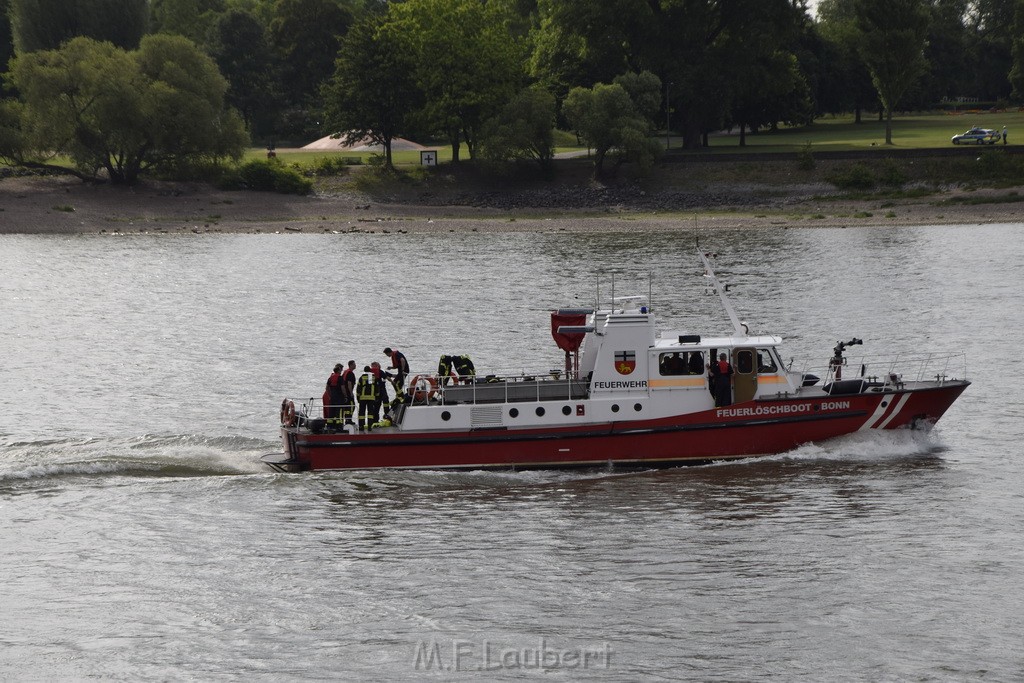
{"type": "Point", "coordinates": [122, 86]}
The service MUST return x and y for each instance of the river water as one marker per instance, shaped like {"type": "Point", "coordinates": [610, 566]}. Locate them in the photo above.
{"type": "Point", "coordinates": [142, 539]}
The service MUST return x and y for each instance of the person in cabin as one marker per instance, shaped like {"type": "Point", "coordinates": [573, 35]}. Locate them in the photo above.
{"type": "Point", "coordinates": [368, 395]}
{"type": "Point", "coordinates": [722, 372]}
{"type": "Point", "coordinates": [348, 387]}
{"type": "Point", "coordinates": [334, 394]}
{"type": "Point", "coordinates": [399, 364]}
{"type": "Point", "coordinates": [696, 363]}
{"type": "Point", "coordinates": [676, 365]}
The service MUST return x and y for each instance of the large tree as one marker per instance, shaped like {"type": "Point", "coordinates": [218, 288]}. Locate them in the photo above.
{"type": "Point", "coordinates": [467, 63]}
{"type": "Point", "coordinates": [238, 43]}
{"type": "Point", "coordinates": [613, 124]}
{"type": "Point", "coordinates": [1017, 71]}
{"type": "Point", "coordinates": [524, 129]}
{"type": "Point", "coordinates": [307, 34]}
{"type": "Point", "coordinates": [189, 18]}
{"type": "Point", "coordinates": [698, 47]}
{"type": "Point", "coordinates": [372, 92]}
{"type": "Point", "coordinates": [892, 36]}
{"type": "Point", "coordinates": [123, 112]}
{"type": "Point", "coordinates": [6, 40]}
{"type": "Point", "coordinates": [848, 84]}
{"type": "Point", "coordinates": [46, 24]}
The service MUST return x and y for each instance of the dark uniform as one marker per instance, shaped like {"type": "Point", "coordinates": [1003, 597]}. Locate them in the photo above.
{"type": "Point", "coordinates": [400, 364]}
{"type": "Point", "coordinates": [348, 386]}
{"type": "Point", "coordinates": [722, 371]}
{"type": "Point", "coordinates": [333, 395]}
{"type": "Point", "coordinates": [368, 393]}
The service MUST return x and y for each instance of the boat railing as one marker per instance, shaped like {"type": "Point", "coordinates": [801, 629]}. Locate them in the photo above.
{"type": "Point", "coordinates": [512, 386]}
{"type": "Point", "coordinates": [890, 372]}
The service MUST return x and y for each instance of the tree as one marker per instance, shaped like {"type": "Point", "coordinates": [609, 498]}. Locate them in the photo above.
{"type": "Point", "coordinates": [123, 112]}
{"type": "Point", "coordinates": [608, 120]}
{"type": "Point", "coordinates": [6, 39]}
{"type": "Point", "coordinates": [1017, 72]}
{"type": "Point", "coordinates": [46, 24]}
{"type": "Point", "coordinates": [372, 91]}
{"type": "Point", "coordinates": [523, 129]}
{"type": "Point", "coordinates": [189, 18]}
{"type": "Point", "coordinates": [848, 81]}
{"type": "Point", "coordinates": [239, 45]}
{"type": "Point", "coordinates": [990, 46]}
{"type": "Point", "coordinates": [307, 34]}
{"type": "Point", "coordinates": [467, 63]}
{"type": "Point", "coordinates": [892, 34]}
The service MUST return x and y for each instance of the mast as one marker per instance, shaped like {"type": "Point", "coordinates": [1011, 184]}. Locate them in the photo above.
{"type": "Point", "coordinates": [709, 273]}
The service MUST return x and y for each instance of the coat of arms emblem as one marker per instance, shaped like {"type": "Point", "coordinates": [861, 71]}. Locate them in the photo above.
{"type": "Point", "coordinates": [625, 362]}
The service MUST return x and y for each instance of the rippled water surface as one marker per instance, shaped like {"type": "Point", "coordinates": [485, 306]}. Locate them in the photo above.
{"type": "Point", "coordinates": [142, 539]}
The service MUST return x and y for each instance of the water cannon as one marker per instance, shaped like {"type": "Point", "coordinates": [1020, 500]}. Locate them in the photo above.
{"type": "Point", "coordinates": [841, 346]}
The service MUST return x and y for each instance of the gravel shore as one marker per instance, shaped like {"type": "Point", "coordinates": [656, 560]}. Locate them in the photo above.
{"type": "Point", "coordinates": [60, 205]}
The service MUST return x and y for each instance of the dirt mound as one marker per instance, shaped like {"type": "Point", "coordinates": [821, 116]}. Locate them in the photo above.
{"type": "Point", "coordinates": [363, 145]}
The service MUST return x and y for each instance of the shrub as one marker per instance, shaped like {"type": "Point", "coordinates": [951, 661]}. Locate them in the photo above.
{"type": "Point", "coordinates": [854, 177]}
{"type": "Point", "coordinates": [334, 165]}
{"type": "Point", "coordinates": [268, 175]}
{"type": "Point", "coordinates": [891, 174]}
{"type": "Point", "coordinates": [804, 158]}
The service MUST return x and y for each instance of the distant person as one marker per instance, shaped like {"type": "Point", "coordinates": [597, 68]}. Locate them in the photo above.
{"type": "Point", "coordinates": [368, 395]}
{"type": "Point", "coordinates": [399, 364]}
{"type": "Point", "coordinates": [696, 363]}
{"type": "Point", "coordinates": [722, 371]}
{"type": "Point", "coordinates": [333, 395]}
{"type": "Point", "coordinates": [379, 376]}
{"type": "Point", "coordinates": [1004, 135]}
{"type": "Point", "coordinates": [348, 388]}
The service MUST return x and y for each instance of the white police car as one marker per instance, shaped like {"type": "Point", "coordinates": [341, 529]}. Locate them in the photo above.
{"type": "Point", "coordinates": [977, 136]}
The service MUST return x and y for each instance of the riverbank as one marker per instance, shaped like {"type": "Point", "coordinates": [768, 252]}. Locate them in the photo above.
{"type": "Point", "coordinates": [61, 205]}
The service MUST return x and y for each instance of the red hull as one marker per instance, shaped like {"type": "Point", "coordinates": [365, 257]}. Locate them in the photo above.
{"type": "Point", "coordinates": [754, 428]}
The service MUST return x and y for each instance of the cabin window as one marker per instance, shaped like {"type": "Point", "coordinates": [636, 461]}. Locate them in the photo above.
{"type": "Point", "coordinates": [681, 363]}
{"type": "Point", "coordinates": [766, 364]}
{"type": "Point", "coordinates": [745, 361]}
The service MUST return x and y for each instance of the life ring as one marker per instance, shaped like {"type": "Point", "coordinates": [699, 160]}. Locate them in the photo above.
{"type": "Point", "coordinates": [423, 388]}
{"type": "Point", "coordinates": [287, 413]}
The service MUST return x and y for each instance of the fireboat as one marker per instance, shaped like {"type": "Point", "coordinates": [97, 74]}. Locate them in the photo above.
{"type": "Point", "coordinates": [629, 396]}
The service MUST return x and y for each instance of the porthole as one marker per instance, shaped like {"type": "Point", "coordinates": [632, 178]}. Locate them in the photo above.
{"type": "Point", "coordinates": [446, 416]}
{"type": "Point", "coordinates": [615, 407]}
{"type": "Point", "coordinates": [638, 407]}
{"type": "Point", "coordinates": [514, 412]}
{"type": "Point", "coordinates": [566, 410]}
{"type": "Point", "coordinates": [540, 411]}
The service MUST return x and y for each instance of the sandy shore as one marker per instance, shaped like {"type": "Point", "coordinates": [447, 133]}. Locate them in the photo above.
{"type": "Point", "coordinates": [67, 206]}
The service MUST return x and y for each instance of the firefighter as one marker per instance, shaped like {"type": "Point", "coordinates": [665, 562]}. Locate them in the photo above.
{"type": "Point", "coordinates": [400, 364]}
{"type": "Point", "coordinates": [348, 388]}
{"type": "Point", "coordinates": [465, 368]}
{"type": "Point", "coordinates": [333, 394]}
{"type": "Point", "coordinates": [446, 370]}
{"type": "Point", "coordinates": [722, 370]}
{"type": "Point", "coordinates": [368, 395]}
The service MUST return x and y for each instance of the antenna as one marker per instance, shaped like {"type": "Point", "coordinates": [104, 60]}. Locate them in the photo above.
{"type": "Point", "coordinates": [650, 291]}
{"type": "Point", "coordinates": [709, 272]}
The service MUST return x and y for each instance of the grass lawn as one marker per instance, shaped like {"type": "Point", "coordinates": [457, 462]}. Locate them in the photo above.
{"type": "Point", "coordinates": [920, 131]}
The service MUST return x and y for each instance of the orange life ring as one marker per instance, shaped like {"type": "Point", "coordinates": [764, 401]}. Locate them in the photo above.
{"type": "Point", "coordinates": [287, 413]}
{"type": "Point", "coordinates": [423, 388]}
